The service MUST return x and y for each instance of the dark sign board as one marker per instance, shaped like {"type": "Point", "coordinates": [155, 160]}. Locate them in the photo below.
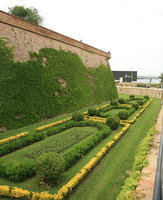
{"type": "Point", "coordinates": [128, 76]}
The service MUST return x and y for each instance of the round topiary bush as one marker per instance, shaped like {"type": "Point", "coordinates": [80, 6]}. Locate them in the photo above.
{"type": "Point", "coordinates": [132, 96]}
{"type": "Point", "coordinates": [123, 114]}
{"type": "Point", "coordinates": [92, 111]}
{"type": "Point", "coordinates": [113, 122]}
{"type": "Point", "coordinates": [135, 105]}
{"type": "Point", "coordinates": [49, 167]}
{"type": "Point", "coordinates": [146, 97]}
{"type": "Point", "coordinates": [114, 102]}
{"type": "Point", "coordinates": [77, 116]}
{"type": "Point", "coordinates": [140, 102]}
{"type": "Point", "coordinates": [121, 100]}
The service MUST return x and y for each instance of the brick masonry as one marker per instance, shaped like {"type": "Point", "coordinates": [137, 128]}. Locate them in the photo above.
{"type": "Point", "coordinates": [26, 36]}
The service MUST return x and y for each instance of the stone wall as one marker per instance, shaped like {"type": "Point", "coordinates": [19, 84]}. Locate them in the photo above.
{"type": "Point", "coordinates": [26, 36]}
{"type": "Point", "coordinates": [153, 92]}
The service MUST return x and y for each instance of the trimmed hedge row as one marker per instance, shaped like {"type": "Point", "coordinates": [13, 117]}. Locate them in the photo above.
{"type": "Point", "coordinates": [79, 150]}
{"type": "Point", "coordinates": [130, 110]}
{"type": "Point", "coordinates": [11, 146]}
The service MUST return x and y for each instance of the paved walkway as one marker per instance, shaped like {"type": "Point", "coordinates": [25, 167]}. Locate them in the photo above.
{"type": "Point", "coordinates": [145, 189]}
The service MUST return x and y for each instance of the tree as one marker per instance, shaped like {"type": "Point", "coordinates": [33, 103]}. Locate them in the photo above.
{"type": "Point", "coordinates": [161, 77]}
{"type": "Point", "coordinates": [31, 14]}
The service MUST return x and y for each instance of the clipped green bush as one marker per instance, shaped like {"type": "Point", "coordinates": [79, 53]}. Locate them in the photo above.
{"type": "Point", "coordinates": [50, 167]}
{"type": "Point", "coordinates": [140, 102]}
{"type": "Point", "coordinates": [123, 114]}
{"type": "Point", "coordinates": [113, 122]}
{"type": "Point", "coordinates": [132, 96]}
{"type": "Point", "coordinates": [17, 172]}
{"type": "Point", "coordinates": [121, 100]}
{"type": "Point", "coordinates": [114, 102]}
{"type": "Point", "coordinates": [77, 116]}
{"type": "Point", "coordinates": [92, 111]}
{"type": "Point", "coordinates": [146, 97]}
{"type": "Point", "coordinates": [135, 105]}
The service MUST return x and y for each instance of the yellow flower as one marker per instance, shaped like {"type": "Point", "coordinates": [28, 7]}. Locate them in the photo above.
{"type": "Point", "coordinates": [19, 193]}
{"type": "Point", "coordinates": [13, 137]}
{"type": "Point", "coordinates": [4, 190]}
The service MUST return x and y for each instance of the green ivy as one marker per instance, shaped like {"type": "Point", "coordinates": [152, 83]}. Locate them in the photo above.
{"type": "Point", "coordinates": [51, 82]}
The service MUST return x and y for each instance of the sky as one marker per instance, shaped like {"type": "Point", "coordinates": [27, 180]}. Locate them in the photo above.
{"type": "Point", "coordinates": [132, 30]}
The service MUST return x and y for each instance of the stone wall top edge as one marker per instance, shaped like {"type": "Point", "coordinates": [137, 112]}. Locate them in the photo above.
{"type": "Point", "coordinates": [157, 89]}
{"type": "Point", "coordinates": [29, 26]}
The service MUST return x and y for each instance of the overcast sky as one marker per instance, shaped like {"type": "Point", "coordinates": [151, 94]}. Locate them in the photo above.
{"type": "Point", "coordinates": [132, 30]}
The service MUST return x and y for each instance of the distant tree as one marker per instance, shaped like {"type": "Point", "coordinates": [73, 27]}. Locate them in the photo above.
{"type": "Point", "coordinates": [161, 77]}
{"type": "Point", "coordinates": [31, 14]}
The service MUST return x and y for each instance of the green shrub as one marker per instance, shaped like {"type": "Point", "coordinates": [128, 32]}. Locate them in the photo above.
{"type": "Point", "coordinates": [121, 100]}
{"type": "Point", "coordinates": [123, 114]}
{"type": "Point", "coordinates": [17, 172]}
{"type": "Point", "coordinates": [132, 96]}
{"type": "Point", "coordinates": [141, 85]}
{"type": "Point", "coordinates": [135, 105]}
{"type": "Point", "coordinates": [77, 116]}
{"type": "Point", "coordinates": [50, 167]}
{"type": "Point", "coordinates": [113, 122]}
{"type": "Point", "coordinates": [92, 111]}
{"type": "Point", "coordinates": [114, 102]}
{"type": "Point", "coordinates": [146, 97]}
{"type": "Point", "coordinates": [20, 142]}
{"type": "Point", "coordinates": [140, 102]}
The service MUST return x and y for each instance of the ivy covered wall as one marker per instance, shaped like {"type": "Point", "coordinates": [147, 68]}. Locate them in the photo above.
{"type": "Point", "coordinates": [51, 82]}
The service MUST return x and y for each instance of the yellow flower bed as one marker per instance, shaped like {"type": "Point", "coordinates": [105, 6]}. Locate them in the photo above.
{"type": "Point", "coordinates": [127, 105]}
{"type": "Point", "coordinates": [42, 128]}
{"type": "Point", "coordinates": [96, 119]}
{"type": "Point", "coordinates": [13, 137]}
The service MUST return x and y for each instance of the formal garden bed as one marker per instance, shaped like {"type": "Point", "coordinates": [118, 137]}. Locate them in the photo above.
{"type": "Point", "coordinates": [80, 141]}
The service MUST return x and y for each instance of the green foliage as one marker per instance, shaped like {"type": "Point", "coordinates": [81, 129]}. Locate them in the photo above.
{"type": "Point", "coordinates": [123, 114]}
{"type": "Point", "coordinates": [49, 167]}
{"type": "Point", "coordinates": [135, 105]}
{"type": "Point", "coordinates": [77, 116]}
{"type": "Point", "coordinates": [113, 122]}
{"type": "Point", "coordinates": [132, 96]}
{"type": "Point", "coordinates": [141, 85]}
{"type": "Point", "coordinates": [31, 14]}
{"type": "Point", "coordinates": [92, 111]}
{"type": "Point", "coordinates": [16, 171]}
{"type": "Point", "coordinates": [146, 97]}
{"type": "Point", "coordinates": [50, 83]}
{"type": "Point", "coordinates": [20, 142]}
{"type": "Point", "coordinates": [140, 102]}
{"type": "Point", "coordinates": [102, 84]}
{"type": "Point", "coordinates": [79, 150]}
{"type": "Point", "coordinates": [121, 100]}
{"type": "Point", "coordinates": [114, 102]}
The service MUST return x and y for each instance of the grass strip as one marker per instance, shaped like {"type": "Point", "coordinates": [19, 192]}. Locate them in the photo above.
{"type": "Point", "coordinates": [140, 161]}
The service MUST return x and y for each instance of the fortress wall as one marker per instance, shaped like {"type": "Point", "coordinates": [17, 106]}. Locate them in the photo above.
{"type": "Point", "coordinates": [26, 36]}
